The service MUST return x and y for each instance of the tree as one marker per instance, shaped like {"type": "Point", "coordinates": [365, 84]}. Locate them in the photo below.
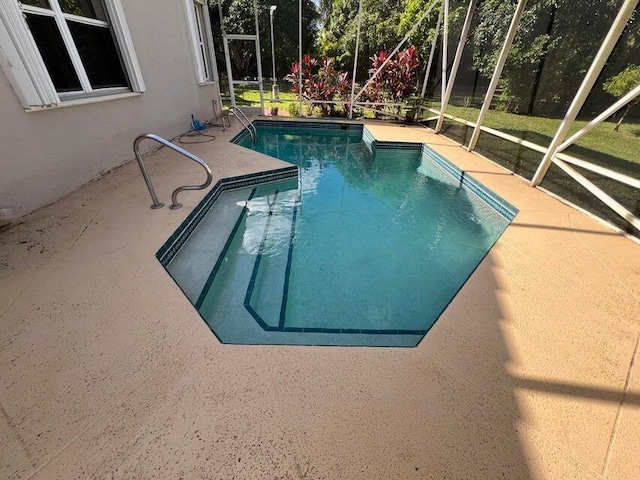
{"type": "Point", "coordinates": [324, 9]}
{"type": "Point", "coordinates": [379, 31]}
{"type": "Point", "coordinates": [239, 19]}
{"type": "Point", "coordinates": [422, 38]}
{"type": "Point", "coordinates": [320, 81]}
{"type": "Point", "coordinates": [397, 79]}
{"type": "Point", "coordinates": [621, 84]}
{"type": "Point", "coordinates": [552, 51]}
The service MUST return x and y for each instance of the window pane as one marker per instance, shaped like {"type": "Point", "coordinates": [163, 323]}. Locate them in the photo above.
{"type": "Point", "coordinates": [204, 50]}
{"type": "Point", "coordinates": [37, 3]}
{"type": "Point", "coordinates": [84, 8]}
{"type": "Point", "coordinates": [54, 53]}
{"type": "Point", "coordinates": [99, 55]}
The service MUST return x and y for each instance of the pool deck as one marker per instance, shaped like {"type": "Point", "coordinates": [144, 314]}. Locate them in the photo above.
{"type": "Point", "coordinates": [107, 371]}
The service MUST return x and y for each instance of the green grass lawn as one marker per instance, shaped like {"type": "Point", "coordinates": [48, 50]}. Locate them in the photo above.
{"type": "Point", "coordinates": [249, 96]}
{"type": "Point", "coordinates": [624, 144]}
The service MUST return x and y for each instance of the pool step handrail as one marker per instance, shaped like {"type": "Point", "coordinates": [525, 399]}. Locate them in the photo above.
{"type": "Point", "coordinates": [174, 196]}
{"type": "Point", "coordinates": [242, 118]}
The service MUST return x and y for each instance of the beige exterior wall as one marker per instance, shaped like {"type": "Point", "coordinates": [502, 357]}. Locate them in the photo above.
{"type": "Point", "coordinates": [47, 154]}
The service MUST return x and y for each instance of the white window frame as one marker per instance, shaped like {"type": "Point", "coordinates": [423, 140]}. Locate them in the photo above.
{"type": "Point", "coordinates": [201, 41]}
{"type": "Point", "coordinates": [21, 60]}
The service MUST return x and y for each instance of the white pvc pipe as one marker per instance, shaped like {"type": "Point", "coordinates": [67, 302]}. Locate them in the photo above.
{"type": "Point", "coordinates": [599, 194]}
{"type": "Point", "coordinates": [585, 88]}
{"type": "Point", "coordinates": [605, 172]}
{"type": "Point", "coordinates": [273, 47]}
{"type": "Point", "coordinates": [502, 59]}
{"type": "Point", "coordinates": [456, 63]}
{"type": "Point", "coordinates": [355, 58]}
{"type": "Point", "coordinates": [431, 54]}
{"type": "Point", "coordinates": [227, 58]}
{"type": "Point", "coordinates": [259, 57]}
{"type": "Point", "coordinates": [300, 54]}
{"type": "Point", "coordinates": [445, 47]}
{"type": "Point", "coordinates": [600, 118]}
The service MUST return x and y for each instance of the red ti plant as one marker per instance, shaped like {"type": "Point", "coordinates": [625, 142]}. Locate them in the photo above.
{"type": "Point", "coordinates": [397, 80]}
{"type": "Point", "coordinates": [320, 81]}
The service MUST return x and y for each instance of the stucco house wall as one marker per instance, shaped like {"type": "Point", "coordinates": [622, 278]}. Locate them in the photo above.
{"type": "Point", "coordinates": [46, 154]}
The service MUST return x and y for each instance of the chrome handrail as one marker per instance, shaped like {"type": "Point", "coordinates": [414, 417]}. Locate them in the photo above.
{"type": "Point", "coordinates": [242, 118]}
{"type": "Point", "coordinates": [174, 196]}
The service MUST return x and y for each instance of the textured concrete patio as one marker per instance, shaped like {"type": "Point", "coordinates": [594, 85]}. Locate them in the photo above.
{"type": "Point", "coordinates": [107, 371]}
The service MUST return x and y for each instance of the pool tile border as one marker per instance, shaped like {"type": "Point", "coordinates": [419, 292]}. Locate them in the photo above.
{"type": "Point", "coordinates": [488, 196]}
{"type": "Point", "coordinates": [167, 252]}
{"type": "Point", "coordinates": [333, 125]}
{"type": "Point", "coordinates": [171, 247]}
{"type": "Point", "coordinates": [497, 203]}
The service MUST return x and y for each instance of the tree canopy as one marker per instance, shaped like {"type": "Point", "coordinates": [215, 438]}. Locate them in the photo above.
{"type": "Point", "coordinates": [238, 16]}
{"type": "Point", "coordinates": [379, 30]}
{"type": "Point", "coordinates": [621, 84]}
{"type": "Point", "coordinates": [555, 43]}
{"type": "Point", "coordinates": [552, 51]}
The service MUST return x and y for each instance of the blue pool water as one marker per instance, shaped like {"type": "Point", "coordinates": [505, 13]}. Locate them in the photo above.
{"type": "Point", "coordinates": [366, 247]}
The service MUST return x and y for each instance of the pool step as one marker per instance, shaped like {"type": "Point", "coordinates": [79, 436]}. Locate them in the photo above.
{"type": "Point", "coordinates": [268, 287]}
{"type": "Point", "coordinates": [250, 281]}
{"type": "Point", "coordinates": [193, 264]}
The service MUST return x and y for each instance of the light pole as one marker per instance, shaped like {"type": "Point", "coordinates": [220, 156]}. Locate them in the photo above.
{"type": "Point", "coordinates": [274, 87]}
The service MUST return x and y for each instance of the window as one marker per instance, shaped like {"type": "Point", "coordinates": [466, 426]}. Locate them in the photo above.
{"type": "Point", "coordinates": [200, 25]}
{"type": "Point", "coordinates": [67, 49]}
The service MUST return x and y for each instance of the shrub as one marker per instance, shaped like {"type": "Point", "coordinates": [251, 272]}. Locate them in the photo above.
{"type": "Point", "coordinates": [397, 80]}
{"type": "Point", "coordinates": [320, 81]}
{"type": "Point", "coordinates": [293, 109]}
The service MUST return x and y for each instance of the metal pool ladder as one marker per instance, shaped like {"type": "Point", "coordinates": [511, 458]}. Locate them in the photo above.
{"type": "Point", "coordinates": [174, 196]}
{"type": "Point", "coordinates": [242, 118]}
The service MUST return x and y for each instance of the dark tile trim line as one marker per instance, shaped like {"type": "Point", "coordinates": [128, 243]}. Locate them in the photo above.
{"type": "Point", "coordinates": [287, 270]}
{"type": "Point", "coordinates": [332, 125]}
{"type": "Point", "coordinates": [489, 197]}
{"type": "Point", "coordinates": [351, 331]}
{"type": "Point", "coordinates": [223, 254]}
{"type": "Point", "coordinates": [283, 309]}
{"type": "Point", "coordinates": [169, 249]}
{"type": "Point", "coordinates": [256, 265]}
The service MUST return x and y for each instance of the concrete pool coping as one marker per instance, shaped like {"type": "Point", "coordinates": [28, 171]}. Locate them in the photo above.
{"type": "Point", "coordinates": [107, 370]}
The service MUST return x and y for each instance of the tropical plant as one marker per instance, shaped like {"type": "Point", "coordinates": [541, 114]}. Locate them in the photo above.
{"type": "Point", "coordinates": [321, 81]}
{"type": "Point", "coordinates": [397, 79]}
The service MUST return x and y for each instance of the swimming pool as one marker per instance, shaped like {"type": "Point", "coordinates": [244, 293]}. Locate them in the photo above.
{"type": "Point", "coordinates": [358, 243]}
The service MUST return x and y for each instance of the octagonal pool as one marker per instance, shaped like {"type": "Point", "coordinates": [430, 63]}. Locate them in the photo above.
{"type": "Point", "coordinates": [358, 243]}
